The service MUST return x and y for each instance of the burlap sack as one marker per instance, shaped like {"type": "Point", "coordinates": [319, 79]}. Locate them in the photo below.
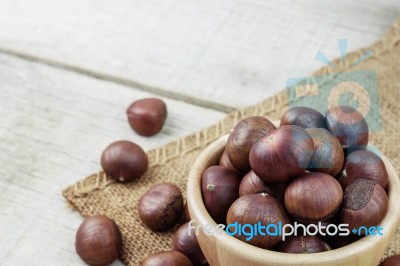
{"type": "Point", "coordinates": [172, 162]}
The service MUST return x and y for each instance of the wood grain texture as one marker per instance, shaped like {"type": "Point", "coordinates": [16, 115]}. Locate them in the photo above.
{"type": "Point", "coordinates": [53, 128]}
{"type": "Point", "coordinates": [232, 53]}
{"type": "Point", "coordinates": [54, 124]}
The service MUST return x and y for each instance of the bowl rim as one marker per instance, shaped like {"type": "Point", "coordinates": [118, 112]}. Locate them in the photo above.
{"type": "Point", "coordinates": [256, 254]}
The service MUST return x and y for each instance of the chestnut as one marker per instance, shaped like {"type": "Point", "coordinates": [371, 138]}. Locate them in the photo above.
{"type": "Point", "coordinates": [224, 161]}
{"type": "Point", "coordinates": [167, 258]}
{"type": "Point", "coordinates": [304, 117]}
{"type": "Point", "coordinates": [338, 241]}
{"type": "Point", "coordinates": [98, 241]}
{"type": "Point", "coordinates": [348, 125]}
{"type": "Point", "coordinates": [303, 245]}
{"type": "Point", "coordinates": [364, 164]}
{"type": "Point", "coordinates": [242, 138]}
{"type": "Point", "coordinates": [370, 148]}
{"type": "Point", "coordinates": [328, 155]}
{"type": "Point", "coordinates": [391, 261]}
{"type": "Point", "coordinates": [220, 188]}
{"type": "Point", "coordinates": [124, 161]}
{"type": "Point", "coordinates": [282, 155]}
{"type": "Point", "coordinates": [258, 209]}
{"type": "Point", "coordinates": [252, 184]}
{"type": "Point", "coordinates": [365, 203]}
{"type": "Point", "coordinates": [186, 242]}
{"type": "Point", "coordinates": [161, 207]}
{"type": "Point", "coordinates": [147, 116]}
{"type": "Point", "coordinates": [313, 197]}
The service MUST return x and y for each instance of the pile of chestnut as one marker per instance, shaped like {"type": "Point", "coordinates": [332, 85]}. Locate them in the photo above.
{"type": "Point", "coordinates": [99, 240]}
{"type": "Point", "coordinates": [312, 169]}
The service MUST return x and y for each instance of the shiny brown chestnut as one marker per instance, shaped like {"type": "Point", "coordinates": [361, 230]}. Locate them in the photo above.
{"type": "Point", "coordinates": [242, 138]}
{"type": "Point", "coordinates": [220, 188]}
{"type": "Point", "coordinates": [252, 184]}
{"type": "Point", "coordinates": [161, 207]}
{"type": "Point", "coordinates": [337, 241]}
{"type": "Point", "coordinates": [185, 241]}
{"type": "Point", "coordinates": [391, 261]}
{"type": "Point", "coordinates": [328, 155]}
{"type": "Point", "coordinates": [258, 208]}
{"type": "Point", "coordinates": [365, 203]}
{"type": "Point", "coordinates": [313, 197]}
{"type": "Point", "coordinates": [348, 125]}
{"type": "Point", "coordinates": [98, 241]}
{"type": "Point", "coordinates": [303, 245]}
{"type": "Point", "coordinates": [167, 258]}
{"type": "Point", "coordinates": [224, 161]}
{"type": "Point", "coordinates": [363, 164]}
{"type": "Point", "coordinates": [304, 117]}
{"type": "Point", "coordinates": [147, 116]}
{"type": "Point", "coordinates": [369, 148]}
{"type": "Point", "coordinates": [124, 161]}
{"type": "Point", "coordinates": [282, 155]}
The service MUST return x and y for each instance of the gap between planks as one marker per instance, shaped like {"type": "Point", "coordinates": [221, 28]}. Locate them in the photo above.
{"type": "Point", "coordinates": [126, 82]}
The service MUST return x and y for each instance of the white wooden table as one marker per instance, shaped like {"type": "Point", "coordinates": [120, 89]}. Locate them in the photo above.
{"type": "Point", "coordinates": [69, 69]}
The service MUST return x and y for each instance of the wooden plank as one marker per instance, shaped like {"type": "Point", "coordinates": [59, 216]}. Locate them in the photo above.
{"type": "Point", "coordinates": [54, 126]}
{"type": "Point", "coordinates": [230, 53]}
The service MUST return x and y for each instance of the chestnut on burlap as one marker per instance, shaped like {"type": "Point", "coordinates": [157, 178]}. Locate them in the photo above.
{"type": "Point", "coordinates": [97, 194]}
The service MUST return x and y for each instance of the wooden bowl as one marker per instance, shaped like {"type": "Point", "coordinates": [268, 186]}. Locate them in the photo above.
{"type": "Point", "coordinates": [226, 250]}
